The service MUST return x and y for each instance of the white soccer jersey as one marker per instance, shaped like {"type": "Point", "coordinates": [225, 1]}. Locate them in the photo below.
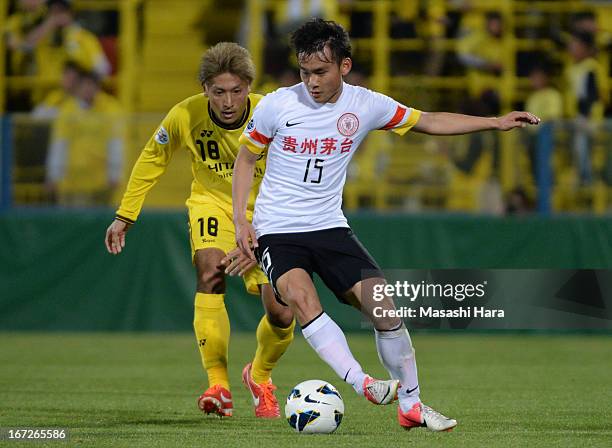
{"type": "Point", "coordinates": [309, 148]}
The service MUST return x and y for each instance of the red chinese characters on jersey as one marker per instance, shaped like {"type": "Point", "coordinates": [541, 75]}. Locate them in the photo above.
{"type": "Point", "coordinates": [289, 144]}
{"type": "Point", "coordinates": [309, 146]}
{"type": "Point", "coordinates": [345, 145]}
{"type": "Point", "coordinates": [325, 146]}
{"type": "Point", "coordinates": [328, 145]}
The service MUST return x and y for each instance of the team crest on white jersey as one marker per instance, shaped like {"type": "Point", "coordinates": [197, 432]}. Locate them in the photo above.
{"type": "Point", "coordinates": [348, 124]}
{"type": "Point", "coordinates": [162, 136]}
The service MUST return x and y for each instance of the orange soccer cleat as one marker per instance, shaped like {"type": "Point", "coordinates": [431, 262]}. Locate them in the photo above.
{"type": "Point", "coordinates": [216, 399]}
{"type": "Point", "coordinates": [266, 405]}
{"type": "Point", "coordinates": [421, 415]}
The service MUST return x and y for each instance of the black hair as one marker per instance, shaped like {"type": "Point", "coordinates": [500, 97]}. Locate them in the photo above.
{"type": "Point", "coordinates": [90, 75]}
{"type": "Point", "coordinates": [545, 66]}
{"type": "Point", "coordinates": [586, 38]}
{"type": "Point", "coordinates": [312, 36]}
{"type": "Point", "coordinates": [71, 64]}
{"type": "Point", "coordinates": [494, 15]}
{"type": "Point", "coordinates": [66, 4]}
{"type": "Point", "coordinates": [584, 15]}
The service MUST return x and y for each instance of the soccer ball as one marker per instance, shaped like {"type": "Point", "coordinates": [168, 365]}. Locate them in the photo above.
{"type": "Point", "coordinates": [314, 406]}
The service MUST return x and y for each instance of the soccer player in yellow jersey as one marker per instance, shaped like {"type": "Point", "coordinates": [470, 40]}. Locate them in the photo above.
{"type": "Point", "coordinates": [208, 125]}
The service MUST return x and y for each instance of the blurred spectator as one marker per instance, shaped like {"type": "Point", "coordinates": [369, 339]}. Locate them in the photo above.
{"type": "Point", "coordinates": [50, 106]}
{"type": "Point", "coordinates": [85, 159]}
{"type": "Point", "coordinates": [434, 30]}
{"type": "Point", "coordinates": [29, 15]}
{"type": "Point", "coordinates": [518, 202]}
{"type": "Point", "coordinates": [219, 21]}
{"type": "Point", "coordinates": [583, 77]}
{"type": "Point", "coordinates": [466, 19]}
{"type": "Point", "coordinates": [584, 22]}
{"type": "Point", "coordinates": [546, 102]}
{"type": "Point", "coordinates": [20, 58]}
{"type": "Point", "coordinates": [584, 102]}
{"type": "Point", "coordinates": [403, 25]}
{"type": "Point", "coordinates": [481, 52]}
{"type": "Point", "coordinates": [482, 49]}
{"type": "Point", "coordinates": [60, 38]}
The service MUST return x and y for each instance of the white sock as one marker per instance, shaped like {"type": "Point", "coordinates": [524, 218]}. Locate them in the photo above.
{"type": "Point", "coordinates": [328, 340]}
{"type": "Point", "coordinates": [397, 355]}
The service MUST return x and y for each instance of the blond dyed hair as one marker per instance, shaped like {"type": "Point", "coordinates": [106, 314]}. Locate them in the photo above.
{"type": "Point", "coordinates": [227, 57]}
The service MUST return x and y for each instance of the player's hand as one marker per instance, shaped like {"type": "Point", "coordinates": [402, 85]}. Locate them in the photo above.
{"type": "Point", "coordinates": [237, 263]}
{"type": "Point", "coordinates": [245, 238]}
{"type": "Point", "coordinates": [517, 120]}
{"type": "Point", "coordinates": [115, 236]}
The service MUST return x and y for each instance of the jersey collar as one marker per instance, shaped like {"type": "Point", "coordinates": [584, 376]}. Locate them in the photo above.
{"type": "Point", "coordinates": [238, 124]}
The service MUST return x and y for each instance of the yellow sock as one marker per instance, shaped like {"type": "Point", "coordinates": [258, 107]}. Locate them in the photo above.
{"type": "Point", "coordinates": [212, 330]}
{"type": "Point", "coordinates": [271, 344]}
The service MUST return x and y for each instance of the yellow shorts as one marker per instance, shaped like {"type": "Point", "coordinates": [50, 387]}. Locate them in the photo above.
{"type": "Point", "coordinates": [211, 226]}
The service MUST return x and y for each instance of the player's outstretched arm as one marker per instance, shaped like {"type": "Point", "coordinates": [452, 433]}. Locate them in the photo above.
{"type": "Point", "coordinates": [445, 123]}
{"type": "Point", "coordinates": [115, 236]}
{"type": "Point", "coordinates": [242, 181]}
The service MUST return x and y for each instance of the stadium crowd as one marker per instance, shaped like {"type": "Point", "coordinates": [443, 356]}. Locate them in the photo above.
{"type": "Point", "coordinates": [563, 76]}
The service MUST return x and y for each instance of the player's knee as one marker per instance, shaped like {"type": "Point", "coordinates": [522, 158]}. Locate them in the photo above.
{"type": "Point", "coordinates": [297, 295]}
{"type": "Point", "coordinates": [302, 301]}
{"type": "Point", "coordinates": [211, 282]}
{"type": "Point", "coordinates": [280, 316]}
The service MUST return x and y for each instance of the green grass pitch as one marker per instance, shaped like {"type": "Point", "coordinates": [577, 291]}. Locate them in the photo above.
{"type": "Point", "coordinates": [129, 390]}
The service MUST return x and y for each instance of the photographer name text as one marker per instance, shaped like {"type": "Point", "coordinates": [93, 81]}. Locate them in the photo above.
{"type": "Point", "coordinates": [429, 311]}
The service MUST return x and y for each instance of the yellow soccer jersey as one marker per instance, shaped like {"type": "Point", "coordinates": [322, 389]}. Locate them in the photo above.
{"type": "Point", "coordinates": [16, 29]}
{"type": "Point", "coordinates": [212, 145]}
{"type": "Point", "coordinates": [55, 99]}
{"type": "Point", "coordinates": [78, 45]}
{"type": "Point", "coordinates": [87, 133]}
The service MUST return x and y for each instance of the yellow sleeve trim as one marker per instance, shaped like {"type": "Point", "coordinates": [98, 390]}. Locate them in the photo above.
{"type": "Point", "coordinates": [412, 120]}
{"type": "Point", "coordinates": [254, 148]}
{"type": "Point", "coordinates": [124, 219]}
{"type": "Point", "coordinates": [126, 216]}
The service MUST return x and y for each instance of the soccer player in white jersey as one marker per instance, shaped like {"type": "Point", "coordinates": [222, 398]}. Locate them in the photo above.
{"type": "Point", "coordinates": [310, 132]}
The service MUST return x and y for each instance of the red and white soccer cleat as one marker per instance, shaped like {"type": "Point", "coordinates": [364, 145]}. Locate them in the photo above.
{"type": "Point", "coordinates": [380, 391]}
{"type": "Point", "coordinates": [216, 399]}
{"type": "Point", "coordinates": [421, 415]}
{"type": "Point", "coordinates": [266, 405]}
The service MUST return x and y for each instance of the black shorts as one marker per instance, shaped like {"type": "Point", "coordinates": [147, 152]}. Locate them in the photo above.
{"type": "Point", "coordinates": [336, 255]}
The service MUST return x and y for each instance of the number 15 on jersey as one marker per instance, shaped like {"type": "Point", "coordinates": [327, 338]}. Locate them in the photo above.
{"type": "Point", "coordinates": [315, 170]}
